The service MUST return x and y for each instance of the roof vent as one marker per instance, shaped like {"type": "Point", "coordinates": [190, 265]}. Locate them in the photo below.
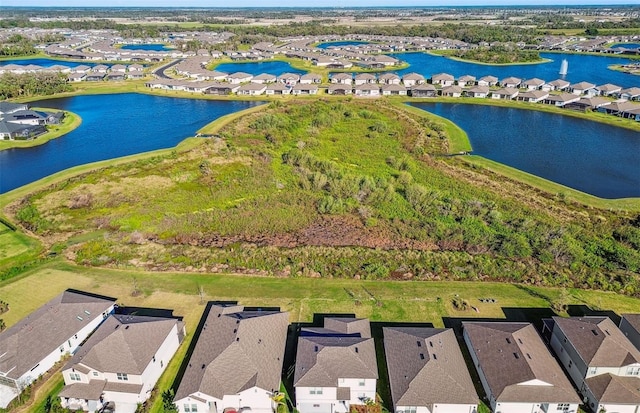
{"type": "Point", "coordinates": [87, 312]}
{"type": "Point", "coordinates": [421, 356]}
{"type": "Point", "coordinates": [419, 344]}
{"type": "Point", "coordinates": [356, 349]}
{"type": "Point", "coordinates": [516, 355]}
{"type": "Point", "coordinates": [315, 348]}
{"type": "Point", "coordinates": [79, 318]}
{"type": "Point", "coordinates": [126, 327]}
{"type": "Point", "coordinates": [595, 333]}
{"type": "Point", "coordinates": [508, 340]}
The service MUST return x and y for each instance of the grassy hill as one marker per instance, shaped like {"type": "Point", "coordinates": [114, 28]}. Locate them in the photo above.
{"type": "Point", "coordinates": [332, 188]}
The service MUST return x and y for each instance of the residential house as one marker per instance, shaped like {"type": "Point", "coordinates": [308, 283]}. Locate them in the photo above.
{"type": "Point", "coordinates": [488, 81]}
{"type": "Point", "coordinates": [304, 89]}
{"type": "Point", "coordinates": [631, 113]}
{"type": "Point", "coordinates": [467, 80]}
{"type": "Point", "coordinates": [222, 88]}
{"type": "Point", "coordinates": [533, 96]}
{"type": "Point", "coordinates": [427, 373]}
{"type": "Point", "coordinates": [264, 78]}
{"type": "Point", "coordinates": [335, 366]}
{"type": "Point", "coordinates": [583, 88]}
{"type": "Point", "coordinates": [393, 89]}
{"type": "Point", "coordinates": [516, 370]}
{"type": "Point", "coordinates": [339, 89]}
{"type": "Point", "coordinates": [342, 78]}
{"type": "Point", "coordinates": [508, 93]}
{"type": "Point", "coordinates": [364, 78]}
{"type": "Point", "coordinates": [443, 79]}
{"type": "Point", "coordinates": [252, 89]}
{"type": "Point", "coordinates": [76, 77]}
{"type": "Point", "coordinates": [44, 337]}
{"type": "Point", "coordinates": [239, 77]}
{"type": "Point", "coordinates": [424, 91]}
{"type": "Point", "coordinates": [511, 82]}
{"type": "Point", "coordinates": [454, 91]}
{"type": "Point", "coordinates": [9, 107]}
{"type": "Point", "coordinates": [289, 79]}
{"type": "Point", "coordinates": [412, 79]}
{"type": "Point", "coordinates": [94, 76]}
{"type": "Point", "coordinates": [602, 363]}
{"type": "Point", "coordinates": [588, 103]}
{"type": "Point", "coordinates": [608, 89]}
{"type": "Point", "coordinates": [630, 327]}
{"type": "Point", "coordinates": [561, 100]}
{"type": "Point", "coordinates": [120, 363]}
{"type": "Point", "coordinates": [366, 89]}
{"type": "Point", "coordinates": [118, 68]}
{"type": "Point", "coordinates": [478, 92]}
{"type": "Point", "coordinates": [558, 84]}
{"type": "Point", "coordinates": [277, 89]}
{"type": "Point", "coordinates": [389, 79]}
{"type": "Point", "coordinates": [532, 84]}
{"type": "Point", "coordinates": [632, 93]}
{"type": "Point", "coordinates": [310, 78]}
{"type": "Point", "coordinates": [236, 363]}
{"type": "Point", "coordinates": [617, 108]}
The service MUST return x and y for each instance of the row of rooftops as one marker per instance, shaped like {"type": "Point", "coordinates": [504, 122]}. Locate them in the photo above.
{"type": "Point", "coordinates": [84, 69]}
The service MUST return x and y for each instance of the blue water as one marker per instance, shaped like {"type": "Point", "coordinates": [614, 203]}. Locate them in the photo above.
{"type": "Point", "coordinates": [152, 47]}
{"type": "Point", "coordinates": [591, 157]}
{"type": "Point", "coordinates": [581, 68]}
{"type": "Point", "coordinates": [345, 43]}
{"type": "Point", "coordinates": [272, 67]}
{"type": "Point", "coordinates": [626, 45]}
{"type": "Point", "coordinates": [112, 126]}
{"type": "Point", "coordinates": [46, 62]}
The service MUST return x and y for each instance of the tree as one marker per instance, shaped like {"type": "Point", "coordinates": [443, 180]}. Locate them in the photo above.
{"type": "Point", "coordinates": [591, 31]}
{"type": "Point", "coordinates": [168, 405]}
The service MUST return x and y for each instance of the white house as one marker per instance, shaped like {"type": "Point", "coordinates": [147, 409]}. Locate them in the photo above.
{"type": "Point", "coordinates": [33, 345]}
{"type": "Point", "coordinates": [239, 77]}
{"type": "Point", "coordinates": [367, 89]}
{"type": "Point", "coordinates": [120, 363]}
{"type": "Point", "coordinates": [516, 370]}
{"type": "Point", "coordinates": [511, 82]}
{"type": "Point", "coordinates": [252, 89]}
{"type": "Point", "coordinates": [236, 363]}
{"type": "Point", "coordinates": [335, 366]}
{"type": "Point", "coordinates": [602, 363]}
{"type": "Point", "coordinates": [412, 79]}
{"type": "Point", "coordinates": [427, 372]}
{"type": "Point", "coordinates": [443, 79]}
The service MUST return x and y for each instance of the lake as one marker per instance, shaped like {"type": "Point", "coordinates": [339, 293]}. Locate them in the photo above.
{"type": "Point", "coordinates": [112, 126]}
{"type": "Point", "coordinates": [46, 62]}
{"type": "Point", "coordinates": [149, 46]}
{"type": "Point", "coordinates": [626, 45]}
{"type": "Point", "coordinates": [581, 68]}
{"type": "Point", "coordinates": [272, 67]}
{"type": "Point", "coordinates": [343, 43]}
{"type": "Point", "coordinates": [591, 157]}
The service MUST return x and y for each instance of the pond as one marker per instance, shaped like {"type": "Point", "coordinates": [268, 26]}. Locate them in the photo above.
{"type": "Point", "coordinates": [595, 158]}
{"type": "Point", "coordinates": [155, 47]}
{"type": "Point", "coordinates": [46, 62]}
{"type": "Point", "coordinates": [581, 68]}
{"type": "Point", "coordinates": [272, 67]}
{"type": "Point", "coordinates": [112, 126]}
{"type": "Point", "coordinates": [343, 43]}
{"type": "Point", "coordinates": [626, 45]}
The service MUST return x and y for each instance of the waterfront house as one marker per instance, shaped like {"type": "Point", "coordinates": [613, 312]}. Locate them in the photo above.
{"type": "Point", "coordinates": [602, 363]}
{"type": "Point", "coordinates": [532, 84]}
{"type": "Point", "coordinates": [342, 78]}
{"type": "Point", "coordinates": [289, 79]}
{"type": "Point", "coordinates": [631, 113]}
{"type": "Point", "coordinates": [366, 89]}
{"type": "Point", "coordinates": [239, 77]}
{"type": "Point", "coordinates": [94, 76]}
{"type": "Point", "coordinates": [264, 78]}
{"type": "Point", "coordinates": [424, 90]}
{"type": "Point", "coordinates": [477, 92]}
{"type": "Point", "coordinates": [25, 117]}
{"type": "Point", "coordinates": [454, 91]}
{"type": "Point", "coordinates": [517, 372]}
{"type": "Point", "coordinates": [508, 93]}
{"type": "Point", "coordinates": [236, 363]}
{"type": "Point", "coordinates": [558, 84]}
{"type": "Point", "coordinates": [33, 345]}
{"type": "Point", "coordinates": [277, 89]}
{"type": "Point", "coordinates": [632, 93]}
{"type": "Point", "coordinates": [120, 363]}
{"type": "Point", "coordinates": [9, 107]}
{"type": "Point", "coordinates": [630, 327]}
{"type": "Point", "coordinates": [252, 89]}
{"type": "Point", "coordinates": [412, 79]}
{"type": "Point", "coordinates": [339, 89]}
{"type": "Point", "coordinates": [617, 108]}
{"type": "Point", "coordinates": [467, 80]}
{"type": "Point", "coordinates": [427, 372]}
{"type": "Point", "coordinates": [608, 89]}
{"type": "Point", "coordinates": [335, 366]}
{"type": "Point", "coordinates": [222, 88]}
{"type": "Point", "coordinates": [532, 96]}
{"type": "Point", "coordinates": [488, 81]}
{"type": "Point", "coordinates": [393, 90]}
{"type": "Point", "coordinates": [364, 78]}
{"type": "Point", "coordinates": [511, 82]}
{"type": "Point", "coordinates": [310, 78]}
{"type": "Point", "coordinates": [389, 79]}
{"type": "Point", "coordinates": [583, 88]}
{"type": "Point", "coordinates": [118, 68]}
{"type": "Point", "coordinates": [561, 100]}
{"type": "Point", "coordinates": [443, 79]}
{"type": "Point", "coordinates": [100, 69]}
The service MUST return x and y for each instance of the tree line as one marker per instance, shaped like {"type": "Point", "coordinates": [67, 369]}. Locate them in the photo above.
{"type": "Point", "coordinates": [32, 84]}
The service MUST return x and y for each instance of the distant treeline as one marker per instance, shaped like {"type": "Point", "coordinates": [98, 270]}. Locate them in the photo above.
{"type": "Point", "coordinates": [32, 84]}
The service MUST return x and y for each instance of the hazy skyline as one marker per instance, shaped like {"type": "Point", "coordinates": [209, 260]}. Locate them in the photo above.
{"type": "Point", "coordinates": [318, 3]}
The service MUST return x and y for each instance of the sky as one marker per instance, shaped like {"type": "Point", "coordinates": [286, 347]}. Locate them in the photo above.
{"type": "Point", "coordinates": [301, 3]}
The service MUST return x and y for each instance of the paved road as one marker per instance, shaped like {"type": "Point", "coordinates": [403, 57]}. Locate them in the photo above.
{"type": "Point", "coordinates": [159, 72]}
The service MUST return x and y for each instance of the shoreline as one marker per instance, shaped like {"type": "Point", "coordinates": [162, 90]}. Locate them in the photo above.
{"type": "Point", "coordinates": [477, 62]}
{"type": "Point", "coordinates": [71, 122]}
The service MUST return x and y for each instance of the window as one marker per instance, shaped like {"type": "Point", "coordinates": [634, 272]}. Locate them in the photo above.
{"type": "Point", "coordinates": [315, 390]}
{"type": "Point", "coordinates": [562, 407]}
{"type": "Point", "coordinates": [593, 371]}
{"type": "Point", "coordinates": [408, 409]}
{"type": "Point", "coordinates": [361, 383]}
{"type": "Point", "coordinates": [194, 407]}
{"type": "Point", "coordinates": [187, 407]}
{"type": "Point", "coordinates": [74, 376]}
{"type": "Point", "coordinates": [62, 348]}
{"type": "Point", "coordinates": [633, 371]}
{"type": "Point", "coordinates": [122, 376]}
{"type": "Point", "coordinates": [161, 364]}
{"type": "Point", "coordinates": [95, 374]}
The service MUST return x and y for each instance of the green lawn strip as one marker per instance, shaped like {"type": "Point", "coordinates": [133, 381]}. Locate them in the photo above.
{"type": "Point", "coordinates": [50, 389]}
{"type": "Point", "coordinates": [71, 121]}
{"type": "Point", "coordinates": [450, 55]}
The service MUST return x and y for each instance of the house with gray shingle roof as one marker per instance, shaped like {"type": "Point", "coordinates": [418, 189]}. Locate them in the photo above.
{"type": "Point", "coordinates": [517, 371]}
{"type": "Point", "coordinates": [427, 372]}
{"type": "Point", "coordinates": [600, 360]}
{"type": "Point", "coordinates": [120, 363]}
{"type": "Point", "coordinates": [443, 79]}
{"type": "Point", "coordinates": [630, 327]}
{"type": "Point", "coordinates": [236, 363]}
{"type": "Point", "coordinates": [412, 79]}
{"type": "Point", "coordinates": [335, 366]}
{"type": "Point", "coordinates": [33, 345]}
